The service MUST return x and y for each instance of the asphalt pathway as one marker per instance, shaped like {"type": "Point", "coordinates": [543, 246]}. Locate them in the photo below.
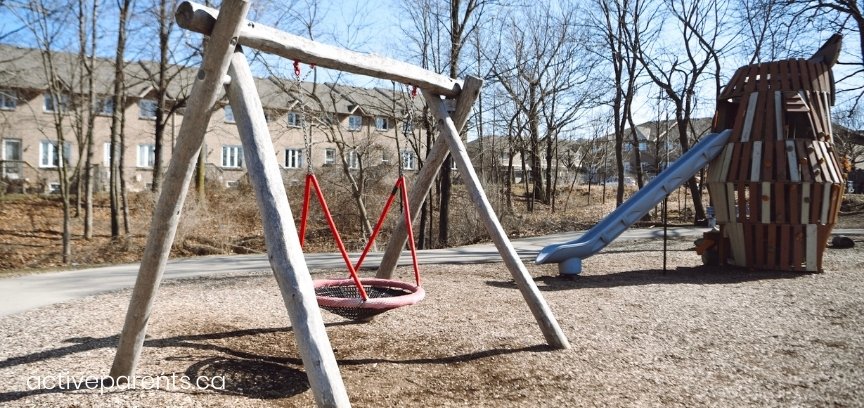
{"type": "Point", "coordinates": [22, 293]}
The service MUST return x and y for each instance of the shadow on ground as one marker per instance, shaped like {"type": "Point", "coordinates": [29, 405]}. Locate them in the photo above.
{"type": "Point", "coordinates": [703, 275]}
{"type": "Point", "coordinates": [245, 373]}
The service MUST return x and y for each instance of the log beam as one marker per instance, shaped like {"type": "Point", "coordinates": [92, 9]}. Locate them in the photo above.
{"type": "Point", "coordinates": [283, 244]}
{"type": "Point", "coordinates": [425, 177]}
{"type": "Point", "coordinates": [199, 18]}
{"type": "Point", "coordinates": [542, 313]}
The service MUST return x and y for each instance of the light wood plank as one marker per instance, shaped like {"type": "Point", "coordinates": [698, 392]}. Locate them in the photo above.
{"type": "Point", "coordinates": [792, 160]}
{"type": "Point", "coordinates": [826, 203]}
{"type": "Point", "coordinates": [811, 238]}
{"type": "Point", "coordinates": [805, 203]}
{"type": "Point", "coordinates": [756, 163]}
{"type": "Point", "coordinates": [748, 119]}
{"type": "Point", "coordinates": [766, 203]}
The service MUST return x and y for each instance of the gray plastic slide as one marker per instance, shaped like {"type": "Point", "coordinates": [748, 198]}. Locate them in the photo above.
{"type": "Point", "coordinates": [569, 255]}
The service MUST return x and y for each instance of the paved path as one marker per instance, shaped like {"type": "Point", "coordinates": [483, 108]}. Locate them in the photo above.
{"type": "Point", "coordinates": [27, 292]}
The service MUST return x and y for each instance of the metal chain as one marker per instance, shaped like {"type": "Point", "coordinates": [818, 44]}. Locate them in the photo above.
{"type": "Point", "coordinates": [408, 121]}
{"type": "Point", "coordinates": [304, 123]}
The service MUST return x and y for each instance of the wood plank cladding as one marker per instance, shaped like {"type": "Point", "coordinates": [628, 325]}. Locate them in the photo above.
{"type": "Point", "coordinates": [777, 184]}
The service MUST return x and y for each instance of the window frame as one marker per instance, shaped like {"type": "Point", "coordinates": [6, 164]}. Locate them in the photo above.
{"type": "Point", "coordinates": [329, 156]}
{"type": "Point", "coordinates": [354, 127]}
{"type": "Point", "coordinates": [11, 170]}
{"type": "Point", "coordinates": [296, 122]}
{"type": "Point", "coordinates": [151, 155]}
{"type": "Point", "coordinates": [54, 157]}
{"type": "Point", "coordinates": [232, 157]}
{"type": "Point", "coordinates": [293, 158]}
{"type": "Point", "coordinates": [142, 111]}
{"type": "Point", "coordinates": [48, 96]}
{"type": "Point", "coordinates": [102, 103]}
{"type": "Point", "coordinates": [353, 159]}
{"type": "Point", "coordinates": [408, 160]}
{"type": "Point", "coordinates": [8, 99]}
{"type": "Point", "coordinates": [382, 123]}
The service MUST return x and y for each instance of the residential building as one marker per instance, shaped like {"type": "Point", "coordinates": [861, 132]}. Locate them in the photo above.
{"type": "Point", "coordinates": [327, 121]}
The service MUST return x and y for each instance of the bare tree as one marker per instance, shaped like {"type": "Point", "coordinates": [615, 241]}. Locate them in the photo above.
{"type": "Point", "coordinates": [46, 22]}
{"type": "Point", "coordinates": [839, 16]}
{"type": "Point", "coordinates": [538, 63]}
{"type": "Point", "coordinates": [117, 192]}
{"type": "Point", "coordinates": [699, 24]}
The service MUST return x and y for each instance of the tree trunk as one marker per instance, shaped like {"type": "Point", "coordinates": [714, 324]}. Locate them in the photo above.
{"type": "Point", "coordinates": [119, 105]}
{"type": "Point", "coordinates": [161, 93]}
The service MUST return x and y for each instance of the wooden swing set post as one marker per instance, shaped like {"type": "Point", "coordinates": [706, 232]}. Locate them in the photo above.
{"type": "Point", "coordinates": [283, 245]}
{"type": "Point", "coordinates": [426, 176]}
{"type": "Point", "coordinates": [539, 308]}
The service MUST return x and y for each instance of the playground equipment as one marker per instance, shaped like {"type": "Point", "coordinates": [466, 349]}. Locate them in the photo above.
{"type": "Point", "coordinates": [777, 186]}
{"type": "Point", "coordinates": [224, 55]}
{"type": "Point", "coordinates": [360, 298]}
{"type": "Point", "coordinates": [773, 176]}
{"type": "Point", "coordinates": [569, 255]}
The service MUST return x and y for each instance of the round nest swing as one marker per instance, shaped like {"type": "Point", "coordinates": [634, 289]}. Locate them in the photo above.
{"type": "Point", "coordinates": [341, 296]}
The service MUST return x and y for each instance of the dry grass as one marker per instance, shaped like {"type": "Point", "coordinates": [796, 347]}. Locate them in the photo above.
{"type": "Point", "coordinates": [228, 222]}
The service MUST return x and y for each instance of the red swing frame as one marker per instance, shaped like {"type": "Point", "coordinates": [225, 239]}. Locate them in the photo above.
{"type": "Point", "coordinates": [416, 293]}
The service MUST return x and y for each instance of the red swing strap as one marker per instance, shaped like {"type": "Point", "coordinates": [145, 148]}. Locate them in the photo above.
{"type": "Point", "coordinates": [406, 211]}
{"type": "Point", "coordinates": [312, 181]}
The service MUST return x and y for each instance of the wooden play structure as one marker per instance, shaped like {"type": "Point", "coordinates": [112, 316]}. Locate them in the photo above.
{"type": "Point", "coordinates": [777, 186]}
{"type": "Point", "coordinates": [224, 65]}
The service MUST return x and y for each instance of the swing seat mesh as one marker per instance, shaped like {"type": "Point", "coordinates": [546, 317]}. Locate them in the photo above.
{"type": "Point", "coordinates": [341, 297]}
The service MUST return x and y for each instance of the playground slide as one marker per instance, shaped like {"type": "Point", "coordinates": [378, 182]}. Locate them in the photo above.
{"type": "Point", "coordinates": [569, 255]}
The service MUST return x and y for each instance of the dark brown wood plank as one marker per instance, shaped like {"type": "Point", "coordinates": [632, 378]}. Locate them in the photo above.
{"type": "Point", "coordinates": [794, 201]}
{"type": "Point", "coordinates": [780, 173]}
{"type": "Point", "coordinates": [798, 243]}
{"type": "Point", "coordinates": [785, 255]}
{"type": "Point", "coordinates": [771, 246]}
{"type": "Point", "coordinates": [779, 198]}
{"type": "Point", "coordinates": [759, 249]}
{"type": "Point", "coordinates": [815, 203]}
{"type": "Point", "coordinates": [803, 163]}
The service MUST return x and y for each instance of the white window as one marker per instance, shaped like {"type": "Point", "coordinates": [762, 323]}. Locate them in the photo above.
{"type": "Point", "coordinates": [49, 155]}
{"type": "Point", "coordinates": [294, 119]}
{"type": "Point", "coordinates": [50, 105]}
{"type": "Point", "coordinates": [8, 99]}
{"type": "Point", "coordinates": [106, 155]}
{"type": "Point", "coordinates": [409, 161]}
{"type": "Point", "coordinates": [353, 160]}
{"type": "Point", "coordinates": [329, 157]}
{"type": "Point", "coordinates": [146, 155]}
{"type": "Point", "coordinates": [293, 158]}
{"type": "Point", "coordinates": [105, 106]}
{"type": "Point", "coordinates": [11, 167]}
{"type": "Point", "coordinates": [643, 146]}
{"type": "Point", "coordinates": [229, 114]}
{"type": "Point", "coordinates": [232, 156]}
{"type": "Point", "coordinates": [147, 109]}
{"type": "Point", "coordinates": [407, 127]}
{"type": "Point", "coordinates": [381, 123]}
{"type": "Point", "coordinates": [355, 122]}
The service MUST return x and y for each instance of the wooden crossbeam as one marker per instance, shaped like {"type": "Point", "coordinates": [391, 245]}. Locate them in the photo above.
{"type": "Point", "coordinates": [199, 18]}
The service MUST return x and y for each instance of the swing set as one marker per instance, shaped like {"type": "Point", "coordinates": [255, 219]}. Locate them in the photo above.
{"type": "Point", "coordinates": [225, 66]}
